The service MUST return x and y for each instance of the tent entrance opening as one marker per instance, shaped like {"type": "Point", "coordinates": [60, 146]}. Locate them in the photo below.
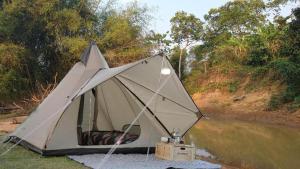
{"type": "Point", "coordinates": [105, 113]}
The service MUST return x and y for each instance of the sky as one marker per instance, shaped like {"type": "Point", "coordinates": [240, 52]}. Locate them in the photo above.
{"type": "Point", "coordinates": [163, 10]}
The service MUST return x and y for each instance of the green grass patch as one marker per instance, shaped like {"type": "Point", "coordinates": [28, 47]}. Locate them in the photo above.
{"type": "Point", "coordinates": [249, 145]}
{"type": "Point", "coordinates": [20, 158]}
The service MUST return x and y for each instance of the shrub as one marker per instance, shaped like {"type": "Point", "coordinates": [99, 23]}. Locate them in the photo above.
{"type": "Point", "coordinates": [233, 86]}
{"type": "Point", "coordinates": [258, 55]}
{"type": "Point", "coordinates": [259, 72]}
{"type": "Point", "coordinates": [13, 74]}
{"type": "Point", "coordinates": [12, 85]}
{"type": "Point", "coordinates": [275, 102]}
{"type": "Point", "coordinates": [295, 105]}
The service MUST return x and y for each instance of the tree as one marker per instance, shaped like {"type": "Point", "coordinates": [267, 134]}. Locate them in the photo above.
{"type": "Point", "coordinates": [240, 32]}
{"type": "Point", "coordinates": [14, 72]}
{"type": "Point", "coordinates": [122, 37]}
{"type": "Point", "coordinates": [175, 61]}
{"type": "Point", "coordinates": [236, 17]}
{"type": "Point", "coordinates": [50, 35]}
{"type": "Point", "coordinates": [277, 3]}
{"type": "Point", "coordinates": [159, 43]}
{"type": "Point", "coordinates": [186, 29]}
{"type": "Point", "coordinates": [292, 50]}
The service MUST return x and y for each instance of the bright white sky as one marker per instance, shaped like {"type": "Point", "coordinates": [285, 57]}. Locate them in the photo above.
{"type": "Point", "coordinates": [164, 10]}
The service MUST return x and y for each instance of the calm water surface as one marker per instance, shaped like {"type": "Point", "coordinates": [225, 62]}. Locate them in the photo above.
{"type": "Point", "coordinates": [249, 145]}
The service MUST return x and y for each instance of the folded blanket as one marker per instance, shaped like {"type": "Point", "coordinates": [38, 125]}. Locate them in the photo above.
{"type": "Point", "coordinates": [106, 138]}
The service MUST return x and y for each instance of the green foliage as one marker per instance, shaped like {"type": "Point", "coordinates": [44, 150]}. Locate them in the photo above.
{"type": "Point", "coordinates": [174, 59]}
{"type": "Point", "coordinates": [289, 68]}
{"type": "Point", "coordinates": [258, 54]}
{"type": "Point", "coordinates": [12, 85]}
{"type": "Point", "coordinates": [259, 73]}
{"type": "Point", "coordinates": [186, 28]}
{"type": "Point", "coordinates": [159, 42]}
{"type": "Point", "coordinates": [54, 34]}
{"type": "Point", "coordinates": [122, 35]}
{"type": "Point", "coordinates": [239, 33]}
{"type": "Point", "coordinates": [275, 102]}
{"type": "Point", "coordinates": [277, 3]}
{"type": "Point", "coordinates": [233, 86]}
{"type": "Point", "coordinates": [41, 26]}
{"type": "Point", "coordinates": [191, 81]}
{"type": "Point", "coordinates": [287, 96]}
{"type": "Point", "coordinates": [236, 17]}
{"type": "Point", "coordinates": [265, 45]}
{"type": "Point", "coordinates": [14, 71]}
{"type": "Point", "coordinates": [234, 49]}
{"type": "Point", "coordinates": [212, 86]}
{"type": "Point", "coordinates": [199, 51]}
{"type": "Point", "coordinates": [295, 105]}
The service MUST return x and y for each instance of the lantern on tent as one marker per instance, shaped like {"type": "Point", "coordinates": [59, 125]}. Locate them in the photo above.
{"type": "Point", "coordinates": [165, 70]}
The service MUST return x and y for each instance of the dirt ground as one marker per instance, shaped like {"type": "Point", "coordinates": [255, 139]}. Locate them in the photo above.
{"type": "Point", "coordinates": [8, 125]}
{"type": "Point", "coordinates": [244, 106]}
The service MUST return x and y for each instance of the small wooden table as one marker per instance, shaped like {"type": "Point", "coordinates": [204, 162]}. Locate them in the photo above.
{"type": "Point", "coordinates": [175, 152]}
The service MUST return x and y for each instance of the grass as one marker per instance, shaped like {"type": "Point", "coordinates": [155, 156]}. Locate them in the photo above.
{"type": "Point", "coordinates": [249, 145]}
{"type": "Point", "coordinates": [20, 158]}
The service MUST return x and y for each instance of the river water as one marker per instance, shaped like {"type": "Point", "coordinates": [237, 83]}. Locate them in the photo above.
{"type": "Point", "coordinates": [248, 145]}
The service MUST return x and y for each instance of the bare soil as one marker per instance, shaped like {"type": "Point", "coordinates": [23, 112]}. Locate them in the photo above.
{"type": "Point", "coordinates": [240, 106]}
{"type": "Point", "coordinates": [10, 124]}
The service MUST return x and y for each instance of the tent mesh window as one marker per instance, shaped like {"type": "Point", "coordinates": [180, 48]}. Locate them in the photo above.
{"type": "Point", "coordinates": [99, 117]}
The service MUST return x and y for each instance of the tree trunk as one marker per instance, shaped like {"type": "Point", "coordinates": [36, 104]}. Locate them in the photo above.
{"type": "Point", "coordinates": [179, 64]}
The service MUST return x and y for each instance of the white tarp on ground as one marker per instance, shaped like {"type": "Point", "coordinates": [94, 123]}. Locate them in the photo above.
{"type": "Point", "coordinates": [139, 161]}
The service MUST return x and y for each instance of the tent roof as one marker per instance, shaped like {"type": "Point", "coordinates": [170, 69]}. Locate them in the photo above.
{"type": "Point", "coordinates": [106, 74]}
{"type": "Point", "coordinates": [92, 55]}
{"type": "Point", "coordinates": [142, 78]}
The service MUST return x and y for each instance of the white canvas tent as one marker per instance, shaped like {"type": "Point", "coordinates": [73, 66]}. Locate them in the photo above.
{"type": "Point", "coordinates": [94, 100]}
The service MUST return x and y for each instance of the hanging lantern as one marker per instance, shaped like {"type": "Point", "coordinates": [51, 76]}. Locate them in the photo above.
{"type": "Point", "coordinates": [165, 70]}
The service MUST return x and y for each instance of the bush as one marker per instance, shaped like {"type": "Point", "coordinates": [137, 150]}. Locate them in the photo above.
{"type": "Point", "coordinates": [259, 73]}
{"type": "Point", "coordinates": [287, 96]}
{"type": "Point", "coordinates": [233, 86]}
{"type": "Point", "coordinates": [13, 74]}
{"type": "Point", "coordinates": [295, 105]}
{"type": "Point", "coordinates": [275, 102]}
{"type": "Point", "coordinates": [297, 100]}
{"type": "Point", "coordinates": [12, 85]}
{"type": "Point", "coordinates": [258, 55]}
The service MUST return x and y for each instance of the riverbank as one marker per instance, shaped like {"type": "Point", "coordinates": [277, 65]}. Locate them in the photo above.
{"type": "Point", "coordinates": [250, 107]}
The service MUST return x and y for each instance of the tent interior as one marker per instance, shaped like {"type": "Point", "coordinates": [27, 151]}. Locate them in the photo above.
{"type": "Point", "coordinates": [103, 118]}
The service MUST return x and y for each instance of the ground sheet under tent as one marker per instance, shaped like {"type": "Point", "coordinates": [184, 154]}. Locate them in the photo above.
{"type": "Point", "coordinates": [139, 161]}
